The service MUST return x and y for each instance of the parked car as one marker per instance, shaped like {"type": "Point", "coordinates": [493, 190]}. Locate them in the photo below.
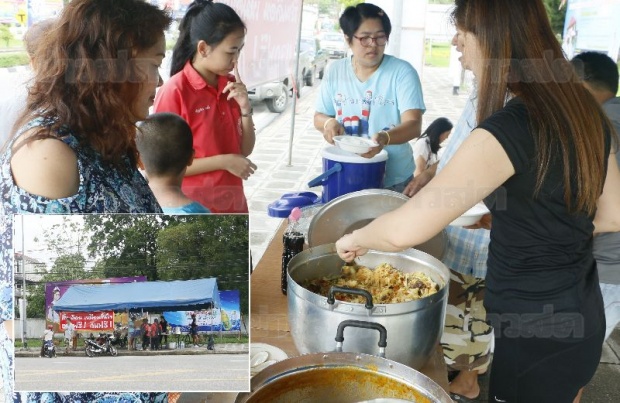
{"type": "Point", "coordinates": [312, 60]}
{"type": "Point", "coordinates": [333, 43]}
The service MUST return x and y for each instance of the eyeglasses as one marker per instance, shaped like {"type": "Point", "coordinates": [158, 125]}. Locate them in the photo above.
{"type": "Point", "coordinates": [368, 40]}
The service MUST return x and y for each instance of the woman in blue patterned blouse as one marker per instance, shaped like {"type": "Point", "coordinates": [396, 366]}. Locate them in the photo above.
{"type": "Point", "coordinates": [73, 149]}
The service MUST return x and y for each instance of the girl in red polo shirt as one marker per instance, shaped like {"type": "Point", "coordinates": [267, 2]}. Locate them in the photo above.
{"type": "Point", "coordinates": [214, 103]}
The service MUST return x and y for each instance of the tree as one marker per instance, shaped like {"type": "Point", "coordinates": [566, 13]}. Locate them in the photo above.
{"type": "Point", "coordinates": [35, 307]}
{"type": "Point", "coordinates": [207, 246]}
{"type": "Point", "coordinates": [125, 243]}
{"type": "Point", "coordinates": [556, 16]}
{"type": "Point", "coordinates": [68, 267]}
{"type": "Point", "coordinates": [5, 34]}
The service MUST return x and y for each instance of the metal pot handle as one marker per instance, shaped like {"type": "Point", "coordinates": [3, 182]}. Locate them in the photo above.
{"type": "Point", "coordinates": [331, 298]}
{"type": "Point", "coordinates": [364, 325]}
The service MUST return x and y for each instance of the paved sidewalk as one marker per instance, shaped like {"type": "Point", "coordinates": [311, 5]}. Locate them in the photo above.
{"type": "Point", "coordinates": [275, 177]}
{"type": "Point", "coordinates": [221, 348]}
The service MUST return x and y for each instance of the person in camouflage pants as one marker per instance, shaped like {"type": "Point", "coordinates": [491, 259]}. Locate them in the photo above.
{"type": "Point", "coordinates": [467, 337]}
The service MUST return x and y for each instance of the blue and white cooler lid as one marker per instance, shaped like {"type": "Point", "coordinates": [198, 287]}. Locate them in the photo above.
{"type": "Point", "coordinates": [334, 153]}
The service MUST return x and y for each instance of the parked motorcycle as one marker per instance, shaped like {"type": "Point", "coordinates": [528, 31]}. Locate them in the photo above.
{"type": "Point", "coordinates": [119, 337]}
{"type": "Point", "coordinates": [101, 346]}
{"type": "Point", "coordinates": [49, 349]}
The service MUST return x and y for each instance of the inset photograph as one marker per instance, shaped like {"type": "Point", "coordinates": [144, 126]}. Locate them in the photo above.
{"type": "Point", "coordinates": [131, 302]}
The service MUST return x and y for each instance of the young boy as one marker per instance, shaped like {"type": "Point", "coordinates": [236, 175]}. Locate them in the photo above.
{"type": "Point", "coordinates": [164, 142]}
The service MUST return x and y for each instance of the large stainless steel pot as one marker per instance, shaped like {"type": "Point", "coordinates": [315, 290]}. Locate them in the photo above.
{"type": "Point", "coordinates": [342, 378]}
{"type": "Point", "coordinates": [414, 328]}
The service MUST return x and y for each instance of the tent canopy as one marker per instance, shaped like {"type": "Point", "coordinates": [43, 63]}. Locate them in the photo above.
{"type": "Point", "coordinates": [155, 295]}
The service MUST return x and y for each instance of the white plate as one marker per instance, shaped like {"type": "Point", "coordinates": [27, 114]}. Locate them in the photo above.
{"type": "Point", "coordinates": [357, 145]}
{"type": "Point", "coordinates": [257, 351]}
{"type": "Point", "coordinates": [471, 216]}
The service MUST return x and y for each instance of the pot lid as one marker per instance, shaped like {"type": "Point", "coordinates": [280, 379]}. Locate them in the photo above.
{"type": "Point", "coordinates": [355, 210]}
{"type": "Point", "coordinates": [349, 212]}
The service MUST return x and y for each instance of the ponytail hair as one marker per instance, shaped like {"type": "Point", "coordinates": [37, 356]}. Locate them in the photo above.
{"type": "Point", "coordinates": [207, 21]}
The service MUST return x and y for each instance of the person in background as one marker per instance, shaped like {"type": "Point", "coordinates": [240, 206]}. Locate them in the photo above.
{"type": "Point", "coordinates": [380, 93]}
{"type": "Point", "coordinates": [155, 334]}
{"type": "Point", "coordinates": [131, 329]}
{"type": "Point", "coordinates": [164, 331]}
{"type": "Point", "coordinates": [426, 147]}
{"type": "Point", "coordinates": [214, 103]}
{"type": "Point", "coordinates": [13, 101]}
{"type": "Point", "coordinates": [455, 70]}
{"type": "Point", "coordinates": [70, 339]}
{"type": "Point", "coordinates": [600, 77]}
{"type": "Point", "coordinates": [75, 151]}
{"type": "Point", "coordinates": [467, 337]}
{"type": "Point", "coordinates": [543, 165]}
{"type": "Point", "coordinates": [193, 330]}
{"type": "Point", "coordinates": [164, 142]}
{"type": "Point", "coordinates": [145, 331]}
{"type": "Point", "coordinates": [48, 336]}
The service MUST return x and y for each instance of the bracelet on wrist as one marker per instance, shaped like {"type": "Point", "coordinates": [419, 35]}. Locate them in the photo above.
{"type": "Point", "coordinates": [387, 134]}
{"type": "Point", "coordinates": [250, 113]}
{"type": "Point", "coordinates": [326, 122]}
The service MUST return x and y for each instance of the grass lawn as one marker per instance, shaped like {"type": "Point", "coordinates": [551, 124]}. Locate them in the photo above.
{"type": "Point", "coordinates": [437, 54]}
{"type": "Point", "coordinates": [225, 338]}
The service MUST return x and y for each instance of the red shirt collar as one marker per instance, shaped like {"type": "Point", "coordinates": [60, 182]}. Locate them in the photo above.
{"type": "Point", "coordinates": [197, 82]}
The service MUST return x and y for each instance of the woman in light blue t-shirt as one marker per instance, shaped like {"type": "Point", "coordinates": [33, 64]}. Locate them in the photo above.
{"type": "Point", "coordinates": [371, 94]}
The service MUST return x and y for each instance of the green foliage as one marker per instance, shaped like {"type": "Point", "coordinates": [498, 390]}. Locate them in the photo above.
{"type": "Point", "coordinates": [173, 248]}
{"type": "Point", "coordinates": [13, 59]}
{"type": "Point", "coordinates": [36, 301]}
{"type": "Point", "coordinates": [556, 17]}
{"type": "Point", "coordinates": [437, 54]}
{"type": "Point", "coordinates": [347, 3]}
{"type": "Point", "coordinates": [66, 267]}
{"type": "Point", "coordinates": [126, 243]}
{"type": "Point", "coordinates": [207, 246]}
{"type": "Point", "coordinates": [5, 34]}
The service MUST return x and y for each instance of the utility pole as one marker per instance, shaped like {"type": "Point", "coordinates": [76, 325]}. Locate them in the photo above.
{"type": "Point", "coordinates": [23, 308]}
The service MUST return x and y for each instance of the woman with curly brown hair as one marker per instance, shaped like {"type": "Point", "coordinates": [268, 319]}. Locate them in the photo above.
{"type": "Point", "coordinates": [96, 76]}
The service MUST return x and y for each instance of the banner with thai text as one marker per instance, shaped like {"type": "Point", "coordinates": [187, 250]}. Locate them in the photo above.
{"type": "Point", "coordinates": [227, 317]}
{"type": "Point", "coordinates": [102, 321]}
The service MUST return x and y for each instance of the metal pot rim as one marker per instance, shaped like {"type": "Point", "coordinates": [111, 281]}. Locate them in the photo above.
{"type": "Point", "coordinates": [364, 362]}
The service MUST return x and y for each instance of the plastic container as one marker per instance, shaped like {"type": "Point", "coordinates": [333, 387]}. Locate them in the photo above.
{"type": "Point", "coordinates": [344, 173]}
{"type": "Point", "coordinates": [282, 207]}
